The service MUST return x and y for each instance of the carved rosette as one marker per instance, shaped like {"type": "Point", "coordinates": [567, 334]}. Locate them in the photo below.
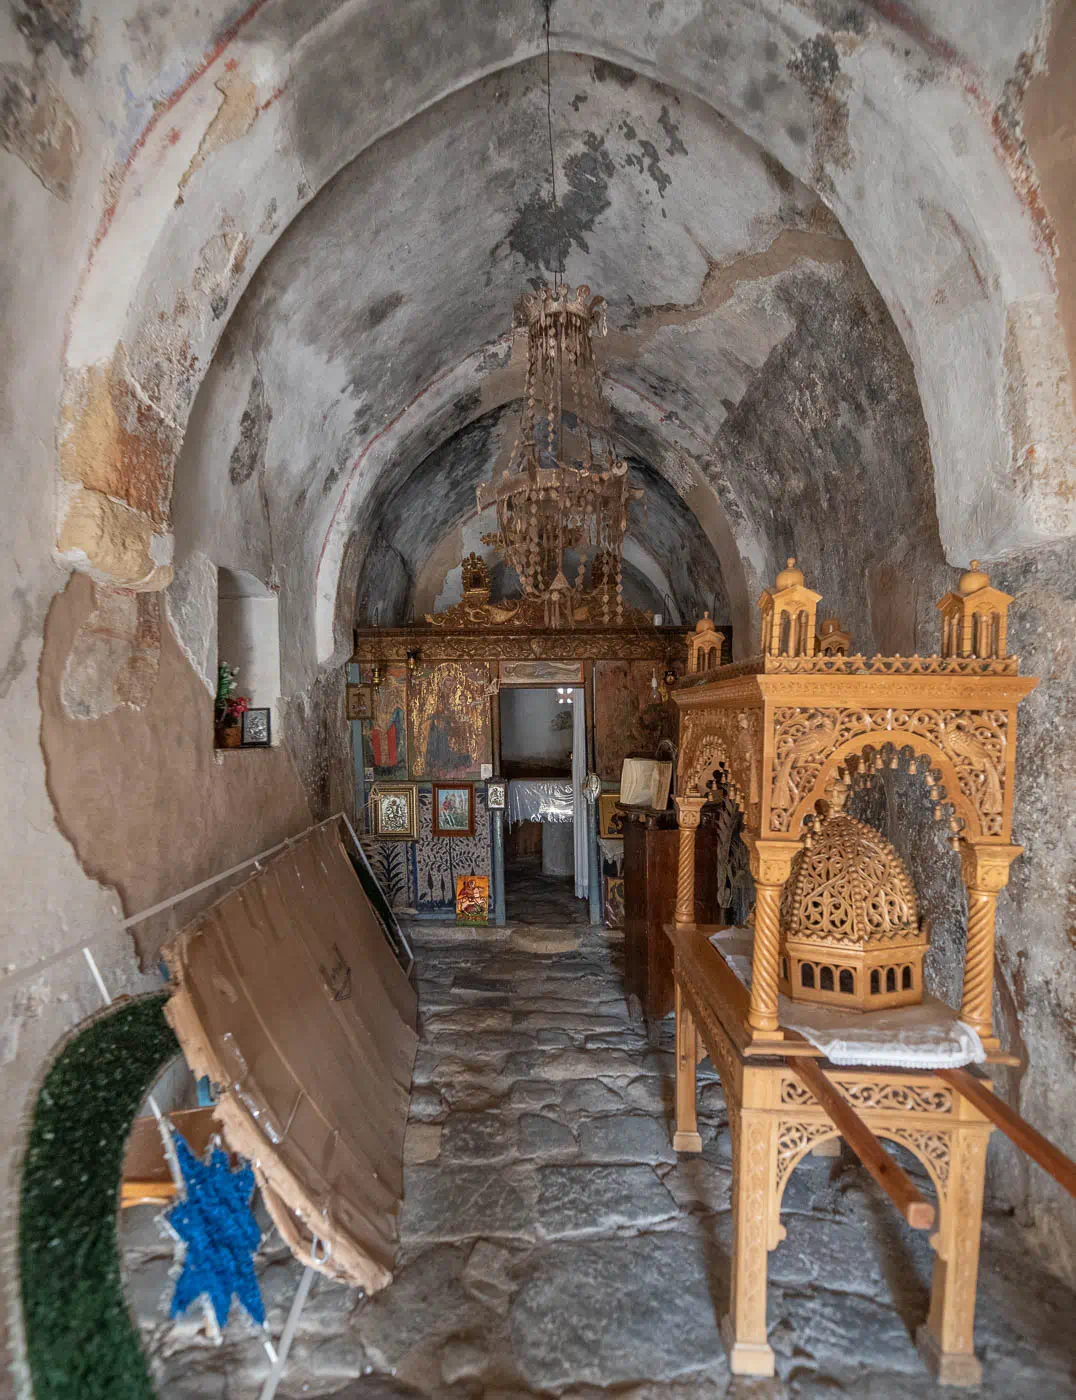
{"type": "Point", "coordinates": [973, 742]}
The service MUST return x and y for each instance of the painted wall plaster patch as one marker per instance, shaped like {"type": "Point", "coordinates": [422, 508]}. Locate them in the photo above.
{"type": "Point", "coordinates": [116, 655]}
{"type": "Point", "coordinates": [38, 126]}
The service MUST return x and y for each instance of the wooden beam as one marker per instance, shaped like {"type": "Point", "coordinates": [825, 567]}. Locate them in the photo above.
{"type": "Point", "coordinates": [1038, 1148]}
{"type": "Point", "coordinates": [893, 1179]}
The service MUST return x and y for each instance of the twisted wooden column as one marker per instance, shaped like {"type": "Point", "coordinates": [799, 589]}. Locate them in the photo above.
{"type": "Point", "coordinates": [689, 812]}
{"type": "Point", "coordinates": [986, 871]}
{"type": "Point", "coordinates": [771, 862]}
{"type": "Point", "coordinates": [976, 1003]}
{"type": "Point", "coordinates": [762, 1015]}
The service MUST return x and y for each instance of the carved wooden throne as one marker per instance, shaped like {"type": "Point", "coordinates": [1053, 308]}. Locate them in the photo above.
{"type": "Point", "coordinates": [771, 734]}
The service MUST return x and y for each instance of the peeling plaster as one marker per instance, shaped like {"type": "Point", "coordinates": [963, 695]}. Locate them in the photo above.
{"type": "Point", "coordinates": [115, 656]}
{"type": "Point", "coordinates": [236, 114]}
{"type": "Point", "coordinates": [38, 126]}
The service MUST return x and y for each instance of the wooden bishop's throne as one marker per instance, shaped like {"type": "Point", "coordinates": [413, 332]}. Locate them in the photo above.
{"type": "Point", "coordinates": [785, 736]}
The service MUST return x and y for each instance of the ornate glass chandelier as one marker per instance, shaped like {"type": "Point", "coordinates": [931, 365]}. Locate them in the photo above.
{"type": "Point", "coordinates": [564, 489]}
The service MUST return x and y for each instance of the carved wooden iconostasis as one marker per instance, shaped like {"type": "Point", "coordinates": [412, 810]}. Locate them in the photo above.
{"type": "Point", "coordinates": [429, 713]}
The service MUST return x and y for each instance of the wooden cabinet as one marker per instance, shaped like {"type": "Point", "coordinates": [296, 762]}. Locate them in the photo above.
{"type": "Point", "coordinates": [651, 845]}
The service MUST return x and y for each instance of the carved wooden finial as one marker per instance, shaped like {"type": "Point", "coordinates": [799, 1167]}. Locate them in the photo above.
{"type": "Point", "coordinates": [788, 614]}
{"type": "Point", "coordinates": [975, 617]}
{"type": "Point", "coordinates": [704, 645]}
{"type": "Point", "coordinates": [832, 639]}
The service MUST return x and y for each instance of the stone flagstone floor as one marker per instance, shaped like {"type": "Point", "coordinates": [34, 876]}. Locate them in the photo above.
{"type": "Point", "coordinates": [551, 1244]}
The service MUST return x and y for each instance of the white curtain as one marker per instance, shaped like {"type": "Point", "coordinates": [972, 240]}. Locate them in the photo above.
{"type": "Point", "coordinates": [579, 772]}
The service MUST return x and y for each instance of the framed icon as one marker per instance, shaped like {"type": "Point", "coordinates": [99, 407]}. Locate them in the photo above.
{"type": "Point", "coordinates": [360, 702]}
{"type": "Point", "coordinates": [394, 811]}
{"type": "Point", "coordinates": [496, 794]}
{"type": "Point", "coordinates": [610, 821]}
{"type": "Point", "coordinates": [256, 729]}
{"type": "Point", "coordinates": [453, 809]}
{"type": "Point", "coordinates": [472, 899]}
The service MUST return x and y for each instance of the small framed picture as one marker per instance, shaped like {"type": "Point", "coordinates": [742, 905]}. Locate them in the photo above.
{"type": "Point", "coordinates": [610, 821]}
{"type": "Point", "coordinates": [614, 901]}
{"type": "Point", "coordinates": [496, 793]}
{"type": "Point", "coordinates": [472, 899]}
{"type": "Point", "coordinates": [453, 809]}
{"type": "Point", "coordinates": [394, 811]}
{"type": "Point", "coordinates": [256, 729]}
{"type": "Point", "coordinates": [360, 702]}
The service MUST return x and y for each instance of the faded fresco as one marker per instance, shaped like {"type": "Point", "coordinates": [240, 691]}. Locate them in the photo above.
{"type": "Point", "coordinates": [384, 735]}
{"type": "Point", "coordinates": [627, 718]}
{"type": "Point", "coordinates": [450, 720]}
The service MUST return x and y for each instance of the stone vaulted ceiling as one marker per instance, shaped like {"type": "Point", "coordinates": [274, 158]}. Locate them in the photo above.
{"type": "Point", "coordinates": [826, 258]}
{"type": "Point", "coordinates": [752, 367]}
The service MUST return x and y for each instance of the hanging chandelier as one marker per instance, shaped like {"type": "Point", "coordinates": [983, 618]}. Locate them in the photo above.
{"type": "Point", "coordinates": [564, 490]}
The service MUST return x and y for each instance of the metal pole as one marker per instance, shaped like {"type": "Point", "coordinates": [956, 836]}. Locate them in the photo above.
{"type": "Point", "coordinates": [298, 1302]}
{"type": "Point", "coordinates": [593, 864]}
{"type": "Point", "coordinates": [496, 817]}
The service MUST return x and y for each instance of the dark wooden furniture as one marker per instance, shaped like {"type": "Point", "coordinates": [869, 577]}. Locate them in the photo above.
{"type": "Point", "coordinates": [651, 845]}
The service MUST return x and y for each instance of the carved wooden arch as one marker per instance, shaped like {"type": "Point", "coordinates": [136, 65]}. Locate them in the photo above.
{"type": "Point", "coordinates": [923, 747]}
{"type": "Point", "coordinates": [736, 753]}
{"type": "Point", "coordinates": [912, 1139]}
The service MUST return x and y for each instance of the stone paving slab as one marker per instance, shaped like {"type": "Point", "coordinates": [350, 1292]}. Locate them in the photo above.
{"type": "Point", "coordinates": [604, 1313]}
{"type": "Point", "coordinates": [457, 1203]}
{"type": "Point", "coordinates": [590, 1200]}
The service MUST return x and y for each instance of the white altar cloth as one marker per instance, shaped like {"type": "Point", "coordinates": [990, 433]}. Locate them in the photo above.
{"type": "Point", "coordinates": [929, 1036]}
{"type": "Point", "coordinates": [540, 800]}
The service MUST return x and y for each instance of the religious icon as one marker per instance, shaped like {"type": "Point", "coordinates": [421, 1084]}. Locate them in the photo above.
{"type": "Point", "coordinates": [394, 809]}
{"type": "Point", "coordinates": [610, 821]}
{"type": "Point", "coordinates": [496, 791]}
{"type": "Point", "coordinates": [453, 809]}
{"type": "Point", "coordinates": [472, 899]}
{"type": "Point", "coordinates": [255, 728]}
{"type": "Point", "coordinates": [360, 702]}
{"type": "Point", "coordinates": [384, 733]}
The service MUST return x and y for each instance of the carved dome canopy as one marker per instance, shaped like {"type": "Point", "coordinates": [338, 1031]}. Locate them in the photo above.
{"type": "Point", "coordinates": [850, 890]}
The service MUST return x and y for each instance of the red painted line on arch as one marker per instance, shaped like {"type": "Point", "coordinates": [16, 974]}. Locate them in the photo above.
{"type": "Point", "coordinates": [161, 111]}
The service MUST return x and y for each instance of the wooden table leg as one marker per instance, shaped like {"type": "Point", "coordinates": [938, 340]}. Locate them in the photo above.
{"type": "Point", "coordinates": [686, 1138]}
{"type": "Point", "coordinates": [743, 1331]}
{"type": "Point", "coordinates": [945, 1340]}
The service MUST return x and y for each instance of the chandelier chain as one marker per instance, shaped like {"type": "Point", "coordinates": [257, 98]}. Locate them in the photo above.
{"type": "Point", "coordinates": [549, 127]}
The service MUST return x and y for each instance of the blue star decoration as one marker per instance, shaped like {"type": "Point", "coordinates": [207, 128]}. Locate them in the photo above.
{"type": "Point", "coordinates": [218, 1227]}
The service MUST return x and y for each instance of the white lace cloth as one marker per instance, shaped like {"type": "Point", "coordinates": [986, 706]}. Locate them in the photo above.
{"type": "Point", "coordinates": [930, 1036]}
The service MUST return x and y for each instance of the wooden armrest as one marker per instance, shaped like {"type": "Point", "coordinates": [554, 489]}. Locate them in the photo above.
{"type": "Point", "coordinates": [1027, 1139]}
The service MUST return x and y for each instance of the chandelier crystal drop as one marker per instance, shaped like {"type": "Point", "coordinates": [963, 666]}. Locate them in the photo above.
{"type": "Point", "coordinates": [564, 489]}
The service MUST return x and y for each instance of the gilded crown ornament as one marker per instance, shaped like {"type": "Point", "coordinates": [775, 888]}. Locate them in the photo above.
{"type": "Point", "coordinates": [476, 578]}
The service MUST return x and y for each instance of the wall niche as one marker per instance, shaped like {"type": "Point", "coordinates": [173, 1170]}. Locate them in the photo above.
{"type": "Point", "coordinates": [248, 639]}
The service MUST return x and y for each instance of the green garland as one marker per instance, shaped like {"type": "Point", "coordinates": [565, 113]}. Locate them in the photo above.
{"type": "Point", "coordinates": [80, 1340]}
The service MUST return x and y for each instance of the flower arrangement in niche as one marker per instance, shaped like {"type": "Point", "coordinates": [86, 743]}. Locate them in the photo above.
{"type": "Point", "coordinates": [228, 707]}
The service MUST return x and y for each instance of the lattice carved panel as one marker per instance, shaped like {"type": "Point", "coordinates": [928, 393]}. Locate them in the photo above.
{"type": "Point", "coordinates": [973, 741]}
{"type": "Point", "coordinates": [729, 740]}
{"type": "Point", "coordinates": [881, 1094]}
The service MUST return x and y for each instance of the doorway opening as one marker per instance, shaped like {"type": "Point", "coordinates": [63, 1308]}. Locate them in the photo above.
{"type": "Point", "coordinates": [543, 759]}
